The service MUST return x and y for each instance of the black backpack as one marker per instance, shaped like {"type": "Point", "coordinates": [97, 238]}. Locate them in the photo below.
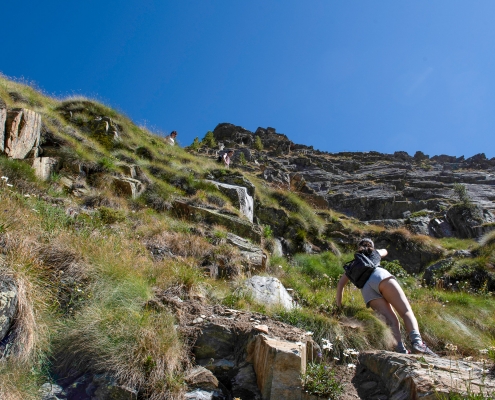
{"type": "Point", "coordinates": [219, 159]}
{"type": "Point", "coordinates": [359, 270]}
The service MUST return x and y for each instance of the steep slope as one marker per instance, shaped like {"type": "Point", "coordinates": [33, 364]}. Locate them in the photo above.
{"type": "Point", "coordinates": [124, 260]}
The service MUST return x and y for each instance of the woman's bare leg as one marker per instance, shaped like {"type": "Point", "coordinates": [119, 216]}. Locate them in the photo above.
{"type": "Point", "coordinates": [383, 307]}
{"type": "Point", "coordinates": [393, 294]}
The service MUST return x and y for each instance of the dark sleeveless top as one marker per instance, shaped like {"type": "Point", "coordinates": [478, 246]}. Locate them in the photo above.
{"type": "Point", "coordinates": [374, 257]}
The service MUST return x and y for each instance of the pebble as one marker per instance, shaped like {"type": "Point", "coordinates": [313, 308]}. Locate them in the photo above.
{"type": "Point", "coordinates": [198, 320]}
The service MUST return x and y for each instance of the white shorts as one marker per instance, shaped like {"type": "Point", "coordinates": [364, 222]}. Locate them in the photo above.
{"type": "Point", "coordinates": [370, 290]}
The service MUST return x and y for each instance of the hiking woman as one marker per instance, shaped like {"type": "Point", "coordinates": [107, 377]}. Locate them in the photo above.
{"type": "Point", "coordinates": [381, 292]}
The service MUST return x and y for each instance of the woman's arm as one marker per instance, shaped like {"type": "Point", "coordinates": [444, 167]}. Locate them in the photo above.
{"type": "Point", "coordinates": [340, 289]}
{"type": "Point", "coordinates": [382, 252]}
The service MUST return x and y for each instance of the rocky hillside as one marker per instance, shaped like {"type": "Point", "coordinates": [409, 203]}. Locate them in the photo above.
{"type": "Point", "coordinates": [132, 269]}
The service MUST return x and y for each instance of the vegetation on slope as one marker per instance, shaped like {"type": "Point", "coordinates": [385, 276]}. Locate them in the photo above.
{"type": "Point", "coordinates": [86, 276]}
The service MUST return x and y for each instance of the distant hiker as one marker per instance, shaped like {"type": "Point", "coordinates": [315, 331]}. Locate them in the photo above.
{"type": "Point", "coordinates": [170, 139]}
{"type": "Point", "coordinates": [381, 292]}
{"type": "Point", "coordinates": [227, 157]}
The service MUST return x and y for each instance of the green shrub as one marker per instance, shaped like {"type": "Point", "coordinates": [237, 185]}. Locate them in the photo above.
{"type": "Point", "coordinates": [258, 145]}
{"type": "Point", "coordinates": [462, 194]}
{"type": "Point", "coordinates": [242, 159]}
{"type": "Point", "coordinates": [394, 268]}
{"type": "Point", "coordinates": [267, 231]}
{"type": "Point", "coordinates": [209, 140]}
{"type": "Point", "coordinates": [111, 215]}
{"type": "Point", "coordinates": [195, 145]}
{"type": "Point", "coordinates": [320, 380]}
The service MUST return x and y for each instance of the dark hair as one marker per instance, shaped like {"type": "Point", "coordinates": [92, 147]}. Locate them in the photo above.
{"type": "Point", "coordinates": [173, 133]}
{"type": "Point", "coordinates": [366, 246]}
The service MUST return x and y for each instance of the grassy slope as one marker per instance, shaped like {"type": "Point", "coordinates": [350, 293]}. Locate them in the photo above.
{"type": "Point", "coordinates": [86, 279]}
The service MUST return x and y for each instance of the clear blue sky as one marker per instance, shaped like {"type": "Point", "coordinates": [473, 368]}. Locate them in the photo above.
{"type": "Point", "coordinates": [338, 75]}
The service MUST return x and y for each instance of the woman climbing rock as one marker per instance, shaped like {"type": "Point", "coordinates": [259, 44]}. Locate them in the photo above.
{"type": "Point", "coordinates": [381, 292]}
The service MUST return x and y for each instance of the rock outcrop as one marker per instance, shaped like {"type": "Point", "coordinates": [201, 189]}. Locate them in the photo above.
{"type": "Point", "coordinates": [8, 304]}
{"type": "Point", "coordinates": [234, 224]}
{"type": "Point", "coordinates": [239, 196]}
{"type": "Point", "coordinates": [278, 366]}
{"type": "Point", "coordinates": [422, 377]}
{"type": "Point", "coordinates": [22, 133]}
{"type": "Point", "coordinates": [3, 120]}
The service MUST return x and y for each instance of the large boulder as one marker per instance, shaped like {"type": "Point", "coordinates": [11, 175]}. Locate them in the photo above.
{"type": "Point", "coordinates": [269, 291]}
{"type": "Point", "coordinates": [278, 365]}
{"type": "Point", "coordinates": [8, 304]}
{"type": "Point", "coordinates": [22, 133]}
{"type": "Point", "coordinates": [423, 377]}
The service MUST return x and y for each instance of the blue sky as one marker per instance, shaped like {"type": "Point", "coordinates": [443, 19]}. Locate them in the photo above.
{"type": "Point", "coordinates": [338, 75]}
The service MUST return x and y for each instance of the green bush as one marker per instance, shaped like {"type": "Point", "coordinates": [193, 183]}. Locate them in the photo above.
{"type": "Point", "coordinates": [111, 215]}
{"type": "Point", "coordinates": [258, 145]}
{"type": "Point", "coordinates": [209, 140]}
{"type": "Point", "coordinates": [394, 268]}
{"type": "Point", "coordinates": [320, 380]}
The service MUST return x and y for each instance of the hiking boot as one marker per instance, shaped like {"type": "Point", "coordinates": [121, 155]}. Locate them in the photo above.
{"type": "Point", "coordinates": [421, 348]}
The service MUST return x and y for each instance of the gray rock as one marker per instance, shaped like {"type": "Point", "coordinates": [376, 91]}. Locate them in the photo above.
{"type": "Point", "coordinates": [419, 225]}
{"type": "Point", "coordinates": [50, 391]}
{"type": "Point", "coordinates": [467, 221]}
{"type": "Point", "coordinates": [128, 187]}
{"type": "Point", "coordinates": [107, 388]}
{"type": "Point", "coordinates": [463, 254]}
{"type": "Point", "coordinates": [269, 291]}
{"type": "Point", "coordinates": [424, 377]}
{"type": "Point", "coordinates": [388, 223]}
{"type": "Point", "coordinates": [3, 119]}
{"type": "Point", "coordinates": [8, 304]}
{"type": "Point", "coordinates": [199, 394]}
{"type": "Point", "coordinates": [278, 365]}
{"type": "Point", "coordinates": [201, 378]}
{"type": "Point", "coordinates": [238, 226]}
{"type": "Point", "coordinates": [438, 267]}
{"type": "Point", "coordinates": [239, 196]}
{"type": "Point", "coordinates": [255, 258]}
{"type": "Point", "coordinates": [244, 383]}
{"type": "Point", "coordinates": [45, 167]}
{"type": "Point", "coordinates": [215, 342]}
{"type": "Point", "coordinates": [22, 133]}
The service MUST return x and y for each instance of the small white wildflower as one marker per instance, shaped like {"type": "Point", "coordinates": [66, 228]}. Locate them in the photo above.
{"type": "Point", "coordinates": [4, 178]}
{"type": "Point", "coordinates": [339, 338]}
{"type": "Point", "coordinates": [336, 359]}
{"type": "Point", "coordinates": [483, 351]}
{"type": "Point", "coordinates": [309, 333]}
{"type": "Point", "coordinates": [326, 344]}
{"type": "Point", "coordinates": [351, 366]}
{"type": "Point", "coordinates": [9, 185]}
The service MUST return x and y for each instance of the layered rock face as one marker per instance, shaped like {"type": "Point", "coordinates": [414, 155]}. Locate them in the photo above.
{"type": "Point", "coordinates": [386, 189]}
